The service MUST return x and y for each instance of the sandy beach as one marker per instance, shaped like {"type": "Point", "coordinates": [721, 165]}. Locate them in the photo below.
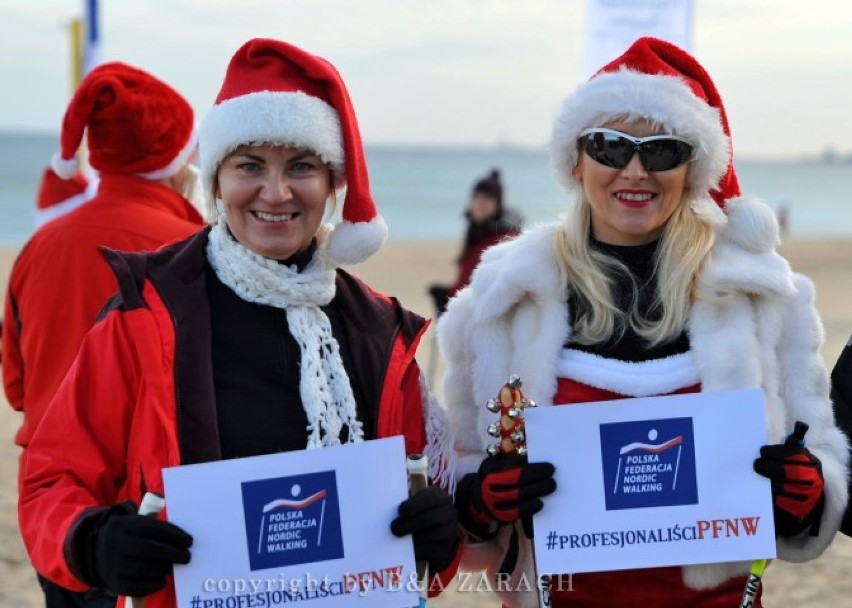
{"type": "Point", "coordinates": [404, 270]}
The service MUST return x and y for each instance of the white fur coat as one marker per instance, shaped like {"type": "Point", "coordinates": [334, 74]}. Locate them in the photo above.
{"type": "Point", "coordinates": [513, 319]}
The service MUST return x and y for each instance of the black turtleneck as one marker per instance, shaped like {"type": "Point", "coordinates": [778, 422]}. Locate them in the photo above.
{"type": "Point", "coordinates": [639, 260]}
{"type": "Point", "coordinates": [256, 371]}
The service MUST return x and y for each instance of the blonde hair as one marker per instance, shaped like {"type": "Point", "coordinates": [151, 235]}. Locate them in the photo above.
{"type": "Point", "coordinates": [685, 243]}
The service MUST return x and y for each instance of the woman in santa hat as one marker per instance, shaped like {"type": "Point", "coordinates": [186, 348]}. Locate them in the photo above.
{"type": "Point", "coordinates": [245, 339]}
{"type": "Point", "coordinates": [663, 279]}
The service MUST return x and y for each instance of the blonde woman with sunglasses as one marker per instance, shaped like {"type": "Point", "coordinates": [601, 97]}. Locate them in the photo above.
{"type": "Point", "coordinates": [663, 279]}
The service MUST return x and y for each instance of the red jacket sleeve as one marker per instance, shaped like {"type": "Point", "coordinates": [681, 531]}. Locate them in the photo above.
{"type": "Point", "coordinates": [76, 460]}
{"type": "Point", "coordinates": [401, 405]}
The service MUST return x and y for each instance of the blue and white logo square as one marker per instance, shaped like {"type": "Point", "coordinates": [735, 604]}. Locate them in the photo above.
{"type": "Point", "coordinates": [648, 463]}
{"type": "Point", "coordinates": [292, 520]}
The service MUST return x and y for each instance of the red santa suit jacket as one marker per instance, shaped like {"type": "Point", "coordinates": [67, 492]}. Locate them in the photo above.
{"type": "Point", "coordinates": [60, 282]}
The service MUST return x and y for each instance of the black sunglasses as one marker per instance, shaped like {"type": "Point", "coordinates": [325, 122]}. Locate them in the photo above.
{"type": "Point", "coordinates": [615, 149]}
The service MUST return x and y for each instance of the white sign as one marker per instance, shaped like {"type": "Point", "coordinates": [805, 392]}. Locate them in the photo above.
{"type": "Point", "coordinates": [649, 482]}
{"type": "Point", "coordinates": [310, 526]}
{"type": "Point", "coordinates": [613, 25]}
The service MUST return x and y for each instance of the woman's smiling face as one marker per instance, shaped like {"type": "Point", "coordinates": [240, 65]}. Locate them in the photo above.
{"type": "Point", "coordinates": [630, 206]}
{"type": "Point", "coordinates": [274, 197]}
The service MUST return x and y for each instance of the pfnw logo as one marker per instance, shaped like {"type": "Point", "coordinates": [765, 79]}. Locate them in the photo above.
{"type": "Point", "coordinates": [648, 463]}
{"type": "Point", "coordinates": [292, 520]}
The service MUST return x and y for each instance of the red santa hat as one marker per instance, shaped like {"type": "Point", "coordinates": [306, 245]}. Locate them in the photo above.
{"type": "Point", "coordinates": [57, 196]}
{"type": "Point", "coordinates": [276, 93]}
{"type": "Point", "coordinates": [134, 122]}
{"type": "Point", "coordinates": [657, 81]}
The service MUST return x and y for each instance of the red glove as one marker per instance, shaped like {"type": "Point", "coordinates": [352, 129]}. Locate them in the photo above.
{"type": "Point", "coordinates": [505, 489]}
{"type": "Point", "coordinates": [798, 487]}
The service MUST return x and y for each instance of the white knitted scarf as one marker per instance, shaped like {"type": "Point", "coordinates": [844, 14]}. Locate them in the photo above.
{"type": "Point", "coordinates": [324, 384]}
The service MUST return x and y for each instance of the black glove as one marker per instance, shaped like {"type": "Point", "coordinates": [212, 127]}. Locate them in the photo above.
{"type": "Point", "coordinates": [133, 554]}
{"type": "Point", "coordinates": [505, 489]}
{"type": "Point", "coordinates": [430, 518]}
{"type": "Point", "coordinates": [798, 495]}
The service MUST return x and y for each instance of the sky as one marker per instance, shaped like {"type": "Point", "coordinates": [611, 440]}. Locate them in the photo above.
{"type": "Point", "coordinates": [450, 72]}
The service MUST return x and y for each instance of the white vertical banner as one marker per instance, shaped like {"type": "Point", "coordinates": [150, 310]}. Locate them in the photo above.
{"type": "Point", "coordinates": [613, 25]}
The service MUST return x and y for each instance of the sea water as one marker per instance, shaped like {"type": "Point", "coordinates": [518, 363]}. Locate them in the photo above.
{"type": "Point", "coordinates": [422, 191]}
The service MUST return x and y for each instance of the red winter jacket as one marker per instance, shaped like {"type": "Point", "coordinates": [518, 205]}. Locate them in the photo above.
{"type": "Point", "coordinates": [60, 282]}
{"type": "Point", "coordinates": [140, 397]}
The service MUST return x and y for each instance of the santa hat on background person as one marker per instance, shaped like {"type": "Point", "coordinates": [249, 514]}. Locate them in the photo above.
{"type": "Point", "coordinates": [276, 93]}
{"type": "Point", "coordinates": [134, 124]}
{"type": "Point", "coordinates": [660, 82]}
{"type": "Point", "coordinates": [57, 196]}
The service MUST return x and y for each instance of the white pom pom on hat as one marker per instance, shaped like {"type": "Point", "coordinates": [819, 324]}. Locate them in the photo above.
{"type": "Point", "coordinates": [66, 168]}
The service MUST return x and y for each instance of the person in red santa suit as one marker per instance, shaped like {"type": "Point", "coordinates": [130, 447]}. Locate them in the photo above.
{"type": "Point", "coordinates": [662, 279]}
{"type": "Point", "coordinates": [55, 198]}
{"type": "Point", "coordinates": [141, 137]}
{"type": "Point", "coordinates": [269, 346]}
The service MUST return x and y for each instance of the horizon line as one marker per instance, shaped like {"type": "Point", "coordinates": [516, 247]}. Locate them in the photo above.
{"type": "Point", "coordinates": [827, 155]}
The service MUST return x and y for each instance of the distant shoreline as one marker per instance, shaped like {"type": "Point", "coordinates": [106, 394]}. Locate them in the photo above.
{"type": "Point", "coordinates": [812, 158]}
